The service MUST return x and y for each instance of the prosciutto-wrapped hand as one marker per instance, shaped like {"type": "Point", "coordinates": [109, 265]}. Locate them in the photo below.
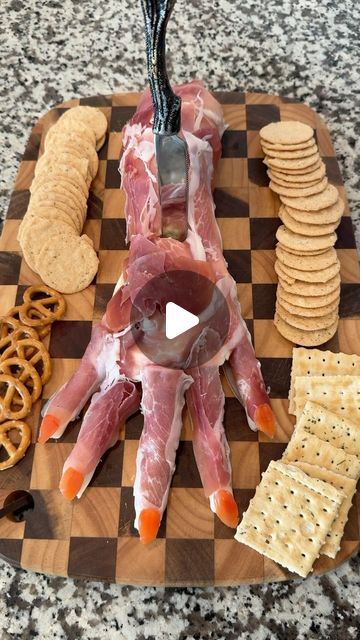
{"type": "Point", "coordinates": [115, 366]}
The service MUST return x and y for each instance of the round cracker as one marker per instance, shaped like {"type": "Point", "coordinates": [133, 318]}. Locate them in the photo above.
{"type": "Point", "coordinates": [291, 184]}
{"type": "Point", "coordinates": [297, 252]}
{"type": "Point", "coordinates": [323, 216]}
{"type": "Point", "coordinates": [304, 243]}
{"type": "Point", "coordinates": [304, 338]}
{"type": "Point", "coordinates": [54, 213]}
{"type": "Point", "coordinates": [304, 228]}
{"type": "Point", "coordinates": [67, 130]}
{"type": "Point", "coordinates": [306, 323]}
{"type": "Point", "coordinates": [316, 202]}
{"type": "Point", "coordinates": [318, 275]}
{"type": "Point", "coordinates": [67, 263]}
{"type": "Point", "coordinates": [300, 172]}
{"type": "Point", "coordinates": [294, 165]}
{"type": "Point", "coordinates": [298, 178]}
{"type": "Point", "coordinates": [309, 312]}
{"type": "Point", "coordinates": [60, 199]}
{"type": "Point", "coordinates": [50, 160]}
{"type": "Point", "coordinates": [290, 155]}
{"type": "Point", "coordinates": [35, 231]}
{"type": "Point", "coordinates": [62, 174]}
{"type": "Point", "coordinates": [291, 192]}
{"type": "Point", "coordinates": [306, 263]}
{"type": "Point", "coordinates": [310, 302]}
{"type": "Point", "coordinates": [78, 148]}
{"type": "Point", "coordinates": [289, 147]}
{"type": "Point", "coordinates": [311, 288]}
{"type": "Point", "coordinates": [89, 116]}
{"type": "Point", "coordinates": [286, 132]}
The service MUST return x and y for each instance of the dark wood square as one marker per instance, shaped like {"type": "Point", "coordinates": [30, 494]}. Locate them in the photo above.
{"type": "Point", "coordinates": [19, 201]}
{"type": "Point", "coordinates": [120, 116]}
{"type": "Point", "coordinates": [96, 101]}
{"type": "Point", "coordinates": [127, 516]}
{"type": "Point", "coordinates": [229, 206]}
{"type": "Point", "coordinates": [276, 373]}
{"type": "Point", "coordinates": [109, 470]}
{"type": "Point", "coordinates": [103, 294]}
{"type": "Point", "coordinates": [264, 300]}
{"type": "Point", "coordinates": [270, 451]}
{"type": "Point", "coordinates": [229, 97]}
{"type": "Point", "coordinates": [259, 115]}
{"type": "Point", "coordinates": [345, 234]}
{"type": "Point", "coordinates": [113, 234]}
{"type": "Point", "coordinates": [242, 499]}
{"type": "Point", "coordinates": [112, 176]}
{"type": "Point", "coordinates": [92, 558]}
{"type": "Point", "coordinates": [236, 426]}
{"type": "Point", "coordinates": [20, 474]}
{"type": "Point", "coordinates": [239, 264]}
{"type": "Point", "coordinates": [333, 170]}
{"type": "Point", "coordinates": [189, 561]}
{"type": "Point", "coordinates": [94, 207]}
{"type": "Point", "coordinates": [263, 232]}
{"type": "Point", "coordinates": [186, 472]}
{"type": "Point", "coordinates": [69, 338]}
{"type": "Point", "coordinates": [349, 300]}
{"type": "Point", "coordinates": [134, 426]}
{"type": "Point", "coordinates": [10, 550]}
{"type": "Point", "coordinates": [32, 147]}
{"type": "Point", "coordinates": [234, 144]}
{"type": "Point", "coordinates": [257, 172]}
{"type": "Point", "coordinates": [10, 263]}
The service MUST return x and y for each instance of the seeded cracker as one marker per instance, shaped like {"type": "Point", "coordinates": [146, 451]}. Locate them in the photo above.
{"type": "Point", "coordinates": [330, 427]}
{"type": "Point", "coordinates": [319, 363]}
{"type": "Point", "coordinates": [289, 517]}
{"type": "Point", "coordinates": [347, 486]}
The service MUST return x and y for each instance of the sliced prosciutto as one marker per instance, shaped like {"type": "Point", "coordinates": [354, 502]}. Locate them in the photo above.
{"type": "Point", "coordinates": [114, 362]}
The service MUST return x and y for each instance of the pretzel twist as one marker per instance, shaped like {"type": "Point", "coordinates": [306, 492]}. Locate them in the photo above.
{"type": "Point", "coordinates": [15, 453]}
{"type": "Point", "coordinates": [10, 386]}
{"type": "Point", "coordinates": [31, 350]}
{"type": "Point", "coordinates": [25, 372]}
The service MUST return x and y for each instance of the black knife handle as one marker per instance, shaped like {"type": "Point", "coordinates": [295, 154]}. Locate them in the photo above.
{"type": "Point", "coordinates": [167, 105]}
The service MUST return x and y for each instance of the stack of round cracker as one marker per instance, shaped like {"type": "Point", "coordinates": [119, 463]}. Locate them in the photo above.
{"type": "Point", "coordinates": [50, 233]}
{"type": "Point", "coordinates": [307, 265]}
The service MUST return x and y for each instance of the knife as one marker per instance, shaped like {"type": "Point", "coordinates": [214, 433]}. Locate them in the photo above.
{"type": "Point", "coordinates": [171, 151]}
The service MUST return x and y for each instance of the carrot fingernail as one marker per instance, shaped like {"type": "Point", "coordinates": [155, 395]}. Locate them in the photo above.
{"type": "Point", "coordinates": [265, 420]}
{"type": "Point", "coordinates": [49, 426]}
{"type": "Point", "coordinates": [70, 483]}
{"type": "Point", "coordinates": [226, 508]}
{"type": "Point", "coordinates": [149, 523]}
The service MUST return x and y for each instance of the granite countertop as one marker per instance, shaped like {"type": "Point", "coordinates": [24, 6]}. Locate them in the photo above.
{"type": "Point", "coordinates": [53, 50]}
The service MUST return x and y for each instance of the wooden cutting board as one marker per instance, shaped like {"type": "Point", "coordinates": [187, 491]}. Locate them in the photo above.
{"type": "Point", "coordinates": [94, 537]}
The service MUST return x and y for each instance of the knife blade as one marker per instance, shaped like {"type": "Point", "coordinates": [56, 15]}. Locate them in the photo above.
{"type": "Point", "coordinates": [171, 150]}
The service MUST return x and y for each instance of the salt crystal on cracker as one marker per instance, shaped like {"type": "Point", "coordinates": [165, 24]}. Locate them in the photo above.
{"type": "Point", "coordinates": [314, 362]}
{"type": "Point", "coordinates": [289, 517]}
{"type": "Point", "coordinates": [342, 483]}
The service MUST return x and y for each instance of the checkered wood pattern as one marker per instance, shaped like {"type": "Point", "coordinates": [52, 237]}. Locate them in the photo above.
{"type": "Point", "coordinates": [94, 537]}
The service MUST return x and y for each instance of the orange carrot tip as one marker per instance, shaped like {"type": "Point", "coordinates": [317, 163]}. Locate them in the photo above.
{"type": "Point", "coordinates": [49, 426]}
{"type": "Point", "coordinates": [226, 508]}
{"type": "Point", "coordinates": [70, 483]}
{"type": "Point", "coordinates": [149, 523]}
{"type": "Point", "coordinates": [265, 419]}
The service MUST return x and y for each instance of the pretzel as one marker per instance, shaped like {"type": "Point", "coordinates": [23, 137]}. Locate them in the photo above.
{"type": "Point", "coordinates": [7, 325]}
{"type": "Point", "coordinates": [15, 453]}
{"type": "Point", "coordinates": [19, 333]}
{"type": "Point", "coordinates": [31, 350]}
{"type": "Point", "coordinates": [26, 373]}
{"type": "Point", "coordinates": [37, 311]}
{"type": "Point", "coordinates": [10, 386]}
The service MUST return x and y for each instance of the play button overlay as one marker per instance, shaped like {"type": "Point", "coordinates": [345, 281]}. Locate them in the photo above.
{"type": "Point", "coordinates": [180, 319]}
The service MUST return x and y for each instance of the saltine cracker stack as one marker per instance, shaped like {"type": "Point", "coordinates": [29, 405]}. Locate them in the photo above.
{"type": "Point", "coordinates": [285, 519]}
{"type": "Point", "coordinates": [50, 233]}
{"type": "Point", "coordinates": [306, 262]}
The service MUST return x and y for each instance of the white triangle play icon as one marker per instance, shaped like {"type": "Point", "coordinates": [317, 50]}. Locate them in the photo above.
{"type": "Point", "coordinates": [178, 320]}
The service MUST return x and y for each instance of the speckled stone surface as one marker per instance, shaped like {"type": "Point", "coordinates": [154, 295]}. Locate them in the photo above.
{"type": "Point", "coordinates": [53, 50]}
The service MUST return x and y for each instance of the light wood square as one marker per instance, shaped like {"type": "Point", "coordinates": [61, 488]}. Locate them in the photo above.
{"type": "Point", "coordinates": [111, 265]}
{"type": "Point", "coordinates": [262, 266]}
{"type": "Point", "coordinates": [245, 464]}
{"type": "Point", "coordinates": [189, 515]}
{"type": "Point", "coordinates": [92, 228]}
{"type": "Point", "coordinates": [261, 98]}
{"type": "Point", "coordinates": [349, 265]}
{"type": "Point", "coordinates": [96, 514]}
{"type": "Point", "coordinates": [232, 172]}
{"type": "Point", "coordinates": [45, 556]}
{"type": "Point", "coordinates": [225, 385]}
{"type": "Point", "coordinates": [123, 99]}
{"type": "Point", "coordinates": [129, 462]}
{"type": "Point", "coordinates": [25, 175]}
{"type": "Point", "coordinates": [134, 559]}
{"type": "Point", "coordinates": [186, 429]}
{"type": "Point", "coordinates": [7, 298]}
{"type": "Point", "coordinates": [244, 291]}
{"type": "Point", "coordinates": [48, 464]}
{"type": "Point", "coordinates": [263, 203]}
{"type": "Point", "coordinates": [235, 116]}
{"type": "Point", "coordinates": [297, 111]}
{"type": "Point", "coordinates": [27, 276]}
{"type": "Point", "coordinates": [268, 341]}
{"type": "Point", "coordinates": [80, 306]}
{"type": "Point", "coordinates": [348, 334]}
{"type": "Point", "coordinates": [235, 232]}
{"type": "Point", "coordinates": [33, 420]}
{"type": "Point", "coordinates": [62, 370]}
{"type": "Point", "coordinates": [114, 203]}
{"type": "Point", "coordinates": [8, 238]}
{"type": "Point", "coordinates": [236, 562]}
{"type": "Point", "coordinates": [115, 145]}
{"type": "Point", "coordinates": [254, 148]}
{"type": "Point", "coordinates": [98, 184]}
